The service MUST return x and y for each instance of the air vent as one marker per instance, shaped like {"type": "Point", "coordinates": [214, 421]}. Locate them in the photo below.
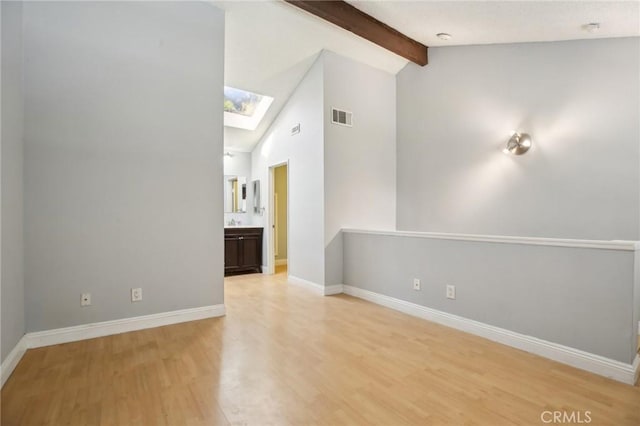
{"type": "Point", "coordinates": [343, 118]}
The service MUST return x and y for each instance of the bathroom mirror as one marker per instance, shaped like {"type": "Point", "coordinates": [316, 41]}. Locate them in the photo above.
{"type": "Point", "coordinates": [256, 197]}
{"type": "Point", "coordinates": [235, 194]}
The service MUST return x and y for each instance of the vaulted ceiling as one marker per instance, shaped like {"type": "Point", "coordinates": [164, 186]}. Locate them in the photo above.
{"type": "Point", "coordinates": [270, 44]}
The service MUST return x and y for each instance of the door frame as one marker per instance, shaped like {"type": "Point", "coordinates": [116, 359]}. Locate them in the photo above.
{"type": "Point", "coordinates": [271, 237]}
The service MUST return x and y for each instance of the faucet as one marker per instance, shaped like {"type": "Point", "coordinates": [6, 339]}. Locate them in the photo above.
{"type": "Point", "coordinates": [232, 222]}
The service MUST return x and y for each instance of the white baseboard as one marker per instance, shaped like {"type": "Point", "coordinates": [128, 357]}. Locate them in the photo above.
{"type": "Point", "coordinates": [310, 285]}
{"type": "Point", "coordinates": [317, 288]}
{"type": "Point", "coordinates": [333, 289]}
{"type": "Point", "coordinates": [11, 361]}
{"type": "Point", "coordinates": [265, 269]}
{"type": "Point", "coordinates": [616, 370]}
{"type": "Point", "coordinates": [280, 262]}
{"type": "Point", "coordinates": [106, 328]}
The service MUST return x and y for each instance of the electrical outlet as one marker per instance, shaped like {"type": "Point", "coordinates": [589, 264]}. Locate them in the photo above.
{"type": "Point", "coordinates": [416, 284]}
{"type": "Point", "coordinates": [85, 299]}
{"type": "Point", "coordinates": [136, 294]}
{"type": "Point", "coordinates": [451, 292]}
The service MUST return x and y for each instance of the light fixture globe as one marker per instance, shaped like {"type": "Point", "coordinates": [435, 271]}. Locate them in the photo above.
{"type": "Point", "coordinates": [518, 144]}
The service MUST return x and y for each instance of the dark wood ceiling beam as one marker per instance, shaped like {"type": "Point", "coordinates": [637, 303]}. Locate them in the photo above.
{"type": "Point", "coordinates": [366, 26]}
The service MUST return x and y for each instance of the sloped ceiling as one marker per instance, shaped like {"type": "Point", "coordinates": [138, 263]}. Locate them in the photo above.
{"type": "Point", "coordinates": [270, 45]}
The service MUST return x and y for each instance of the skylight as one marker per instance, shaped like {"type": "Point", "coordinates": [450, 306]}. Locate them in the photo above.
{"type": "Point", "coordinates": [243, 109]}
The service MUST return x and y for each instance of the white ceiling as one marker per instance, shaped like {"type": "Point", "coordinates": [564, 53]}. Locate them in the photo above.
{"type": "Point", "coordinates": [488, 22]}
{"type": "Point", "coordinates": [270, 45]}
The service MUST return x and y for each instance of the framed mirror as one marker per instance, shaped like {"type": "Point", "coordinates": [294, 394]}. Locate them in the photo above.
{"type": "Point", "coordinates": [235, 194]}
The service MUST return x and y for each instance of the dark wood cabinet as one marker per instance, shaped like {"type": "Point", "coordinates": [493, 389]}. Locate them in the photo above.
{"type": "Point", "coordinates": [242, 250]}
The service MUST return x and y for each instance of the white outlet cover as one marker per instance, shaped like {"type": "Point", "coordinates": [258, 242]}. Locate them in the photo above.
{"type": "Point", "coordinates": [416, 284]}
{"type": "Point", "coordinates": [136, 294]}
{"type": "Point", "coordinates": [85, 299]}
{"type": "Point", "coordinates": [451, 292]}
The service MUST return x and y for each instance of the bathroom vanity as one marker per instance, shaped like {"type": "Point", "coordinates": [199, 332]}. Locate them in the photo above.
{"type": "Point", "coordinates": [242, 250]}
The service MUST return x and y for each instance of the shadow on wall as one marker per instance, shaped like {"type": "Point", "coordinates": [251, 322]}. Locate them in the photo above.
{"type": "Point", "coordinates": [333, 261]}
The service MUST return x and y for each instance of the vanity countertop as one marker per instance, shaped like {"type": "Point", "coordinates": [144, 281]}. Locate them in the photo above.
{"type": "Point", "coordinates": [242, 226]}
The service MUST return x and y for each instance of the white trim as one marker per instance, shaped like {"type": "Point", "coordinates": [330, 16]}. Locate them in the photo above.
{"type": "Point", "coordinates": [554, 242]}
{"type": "Point", "coordinates": [330, 290]}
{"type": "Point", "coordinates": [271, 237]}
{"type": "Point", "coordinates": [11, 361]}
{"type": "Point", "coordinates": [616, 370]}
{"type": "Point", "coordinates": [107, 328]}
{"type": "Point", "coordinates": [265, 269]}
{"type": "Point", "coordinates": [275, 224]}
{"type": "Point", "coordinates": [280, 262]}
{"type": "Point", "coordinates": [99, 329]}
{"type": "Point", "coordinates": [310, 285]}
{"type": "Point", "coordinates": [317, 288]}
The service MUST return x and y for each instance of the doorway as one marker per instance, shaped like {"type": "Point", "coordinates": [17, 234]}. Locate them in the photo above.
{"type": "Point", "coordinates": [279, 218]}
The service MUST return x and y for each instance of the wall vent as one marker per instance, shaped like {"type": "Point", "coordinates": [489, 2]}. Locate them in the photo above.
{"type": "Point", "coordinates": [341, 117]}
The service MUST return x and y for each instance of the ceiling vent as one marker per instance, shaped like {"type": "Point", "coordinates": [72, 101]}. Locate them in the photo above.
{"type": "Point", "coordinates": [341, 117]}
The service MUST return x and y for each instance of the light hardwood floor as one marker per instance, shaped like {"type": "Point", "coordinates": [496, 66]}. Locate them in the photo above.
{"type": "Point", "coordinates": [286, 356]}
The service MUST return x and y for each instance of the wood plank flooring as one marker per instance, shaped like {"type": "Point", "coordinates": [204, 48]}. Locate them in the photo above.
{"type": "Point", "coordinates": [286, 356]}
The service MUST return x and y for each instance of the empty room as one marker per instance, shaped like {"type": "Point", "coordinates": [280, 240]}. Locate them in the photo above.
{"type": "Point", "coordinates": [320, 213]}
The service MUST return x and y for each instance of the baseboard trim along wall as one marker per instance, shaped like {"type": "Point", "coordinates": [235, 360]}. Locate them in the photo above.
{"type": "Point", "coordinates": [333, 289]}
{"type": "Point", "coordinates": [11, 361]}
{"type": "Point", "coordinates": [626, 373]}
{"type": "Point", "coordinates": [100, 329]}
{"type": "Point", "coordinates": [318, 288]}
{"type": "Point", "coordinates": [616, 370]}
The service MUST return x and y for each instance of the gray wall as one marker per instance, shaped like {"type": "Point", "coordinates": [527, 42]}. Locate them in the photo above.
{"type": "Point", "coordinates": [359, 161]}
{"type": "Point", "coordinates": [304, 151]}
{"type": "Point", "coordinates": [123, 159]}
{"type": "Point", "coordinates": [13, 318]}
{"type": "Point", "coordinates": [578, 100]}
{"type": "Point", "coordinates": [338, 176]}
{"type": "Point", "coordinates": [577, 297]}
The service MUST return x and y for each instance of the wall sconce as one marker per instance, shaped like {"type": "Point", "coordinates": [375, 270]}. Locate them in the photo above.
{"type": "Point", "coordinates": [518, 144]}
